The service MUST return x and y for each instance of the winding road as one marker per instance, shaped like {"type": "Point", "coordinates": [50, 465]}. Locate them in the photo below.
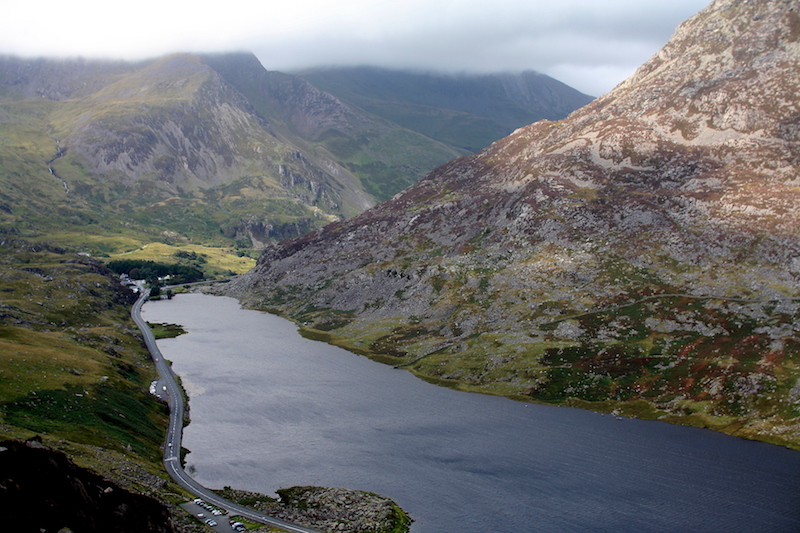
{"type": "Point", "coordinates": [172, 445]}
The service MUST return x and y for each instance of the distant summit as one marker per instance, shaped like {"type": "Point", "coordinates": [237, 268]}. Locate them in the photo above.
{"type": "Point", "coordinates": [641, 255]}
{"type": "Point", "coordinates": [468, 111]}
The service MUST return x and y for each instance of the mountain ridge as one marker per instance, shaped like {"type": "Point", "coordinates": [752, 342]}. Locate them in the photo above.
{"type": "Point", "coordinates": [152, 139]}
{"type": "Point", "coordinates": [210, 147]}
{"type": "Point", "coordinates": [385, 157]}
{"type": "Point", "coordinates": [465, 110]}
{"type": "Point", "coordinates": [165, 142]}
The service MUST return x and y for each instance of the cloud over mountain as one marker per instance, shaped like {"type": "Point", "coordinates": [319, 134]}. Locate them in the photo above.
{"type": "Point", "coordinates": [587, 44]}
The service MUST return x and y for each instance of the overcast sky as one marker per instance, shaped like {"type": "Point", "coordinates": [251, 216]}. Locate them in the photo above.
{"type": "Point", "coordinates": [589, 44]}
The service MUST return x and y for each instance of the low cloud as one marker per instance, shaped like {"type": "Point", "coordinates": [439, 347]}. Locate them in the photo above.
{"type": "Point", "coordinates": [588, 44]}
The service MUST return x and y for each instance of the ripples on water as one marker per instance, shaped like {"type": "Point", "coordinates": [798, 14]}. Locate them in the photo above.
{"type": "Point", "coordinates": [271, 409]}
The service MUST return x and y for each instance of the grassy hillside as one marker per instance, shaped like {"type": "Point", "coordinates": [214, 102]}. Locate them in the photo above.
{"type": "Point", "coordinates": [73, 368]}
{"type": "Point", "coordinates": [74, 377]}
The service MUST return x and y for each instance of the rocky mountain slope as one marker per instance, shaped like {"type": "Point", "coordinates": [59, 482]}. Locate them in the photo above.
{"type": "Point", "coordinates": [468, 111]}
{"type": "Point", "coordinates": [210, 148]}
{"type": "Point", "coordinates": [173, 144]}
{"type": "Point", "coordinates": [385, 156]}
{"type": "Point", "coordinates": [174, 126]}
{"type": "Point", "coordinates": [640, 256]}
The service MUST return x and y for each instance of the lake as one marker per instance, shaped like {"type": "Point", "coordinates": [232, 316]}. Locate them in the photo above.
{"type": "Point", "coordinates": [271, 409]}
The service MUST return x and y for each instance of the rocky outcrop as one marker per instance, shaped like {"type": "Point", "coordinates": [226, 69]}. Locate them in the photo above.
{"type": "Point", "coordinates": [262, 233]}
{"type": "Point", "coordinates": [555, 264]}
{"type": "Point", "coordinates": [328, 509]}
{"type": "Point", "coordinates": [175, 125]}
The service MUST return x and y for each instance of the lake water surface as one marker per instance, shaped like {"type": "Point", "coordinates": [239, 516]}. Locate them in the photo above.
{"type": "Point", "coordinates": [271, 409]}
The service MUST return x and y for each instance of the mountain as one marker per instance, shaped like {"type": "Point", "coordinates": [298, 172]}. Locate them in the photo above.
{"type": "Point", "coordinates": [641, 256]}
{"type": "Point", "coordinates": [190, 148]}
{"type": "Point", "coordinates": [385, 157]}
{"type": "Point", "coordinates": [214, 148]}
{"type": "Point", "coordinates": [467, 111]}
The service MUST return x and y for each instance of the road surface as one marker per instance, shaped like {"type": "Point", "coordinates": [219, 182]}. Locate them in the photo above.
{"type": "Point", "coordinates": [172, 445]}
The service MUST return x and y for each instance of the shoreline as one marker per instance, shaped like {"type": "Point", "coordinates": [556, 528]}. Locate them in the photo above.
{"type": "Point", "coordinates": [345, 507]}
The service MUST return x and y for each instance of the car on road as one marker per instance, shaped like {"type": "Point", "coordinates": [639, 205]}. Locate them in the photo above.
{"type": "Point", "coordinates": [210, 522]}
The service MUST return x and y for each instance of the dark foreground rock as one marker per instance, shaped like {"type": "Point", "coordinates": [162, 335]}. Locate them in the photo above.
{"type": "Point", "coordinates": [42, 490]}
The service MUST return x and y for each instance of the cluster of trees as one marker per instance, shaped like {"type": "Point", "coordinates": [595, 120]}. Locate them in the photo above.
{"type": "Point", "coordinates": [191, 256]}
{"type": "Point", "coordinates": [151, 271]}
